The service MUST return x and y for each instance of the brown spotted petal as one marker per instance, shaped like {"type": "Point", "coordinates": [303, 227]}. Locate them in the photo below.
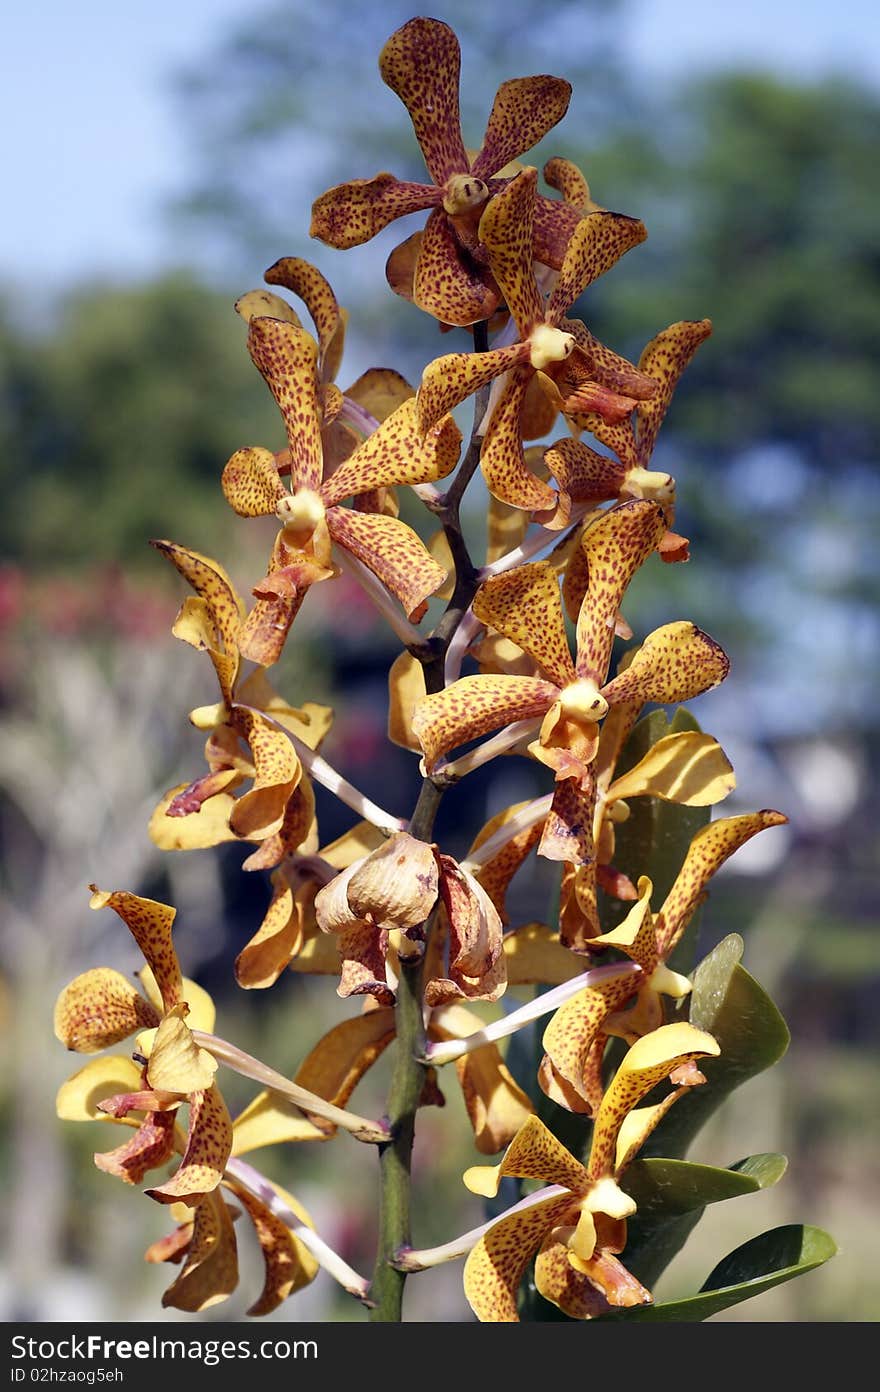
{"type": "Point", "coordinates": [496, 874]}
{"type": "Point", "coordinates": [525, 605]}
{"type": "Point", "coordinates": [534, 1153]}
{"type": "Point", "coordinates": [707, 852]}
{"type": "Point", "coordinates": [298, 831]}
{"type": "Point", "coordinates": [495, 1104]}
{"type": "Point", "coordinates": [614, 546]}
{"type": "Point", "coordinates": [524, 110]}
{"type": "Point", "coordinates": [210, 1272]}
{"type": "Point", "coordinates": [98, 1009]}
{"type": "Point", "coordinates": [506, 233]}
{"type": "Point", "coordinates": [421, 63]}
{"type": "Point", "coordinates": [150, 924]}
{"type": "Point", "coordinates": [397, 452]}
{"type": "Point", "coordinates": [473, 706]}
{"type": "Point", "coordinates": [216, 624]}
{"type": "Point", "coordinates": [392, 551]}
{"type": "Point", "coordinates": [151, 1145]}
{"type": "Point", "coordinates": [665, 359]}
{"type": "Point", "coordinates": [287, 358]}
{"type": "Point", "coordinates": [635, 936]}
{"type": "Point", "coordinates": [250, 483]}
{"type": "Point", "coordinates": [208, 1147]}
{"type": "Point", "coordinates": [675, 663]}
{"type": "Point", "coordinates": [444, 280]}
{"type": "Point", "coordinates": [554, 227]}
{"type": "Point", "coordinates": [577, 1294]}
{"type": "Point", "coordinates": [449, 380]}
{"type": "Point", "coordinates": [615, 373]}
{"type": "Point", "coordinates": [475, 932]}
{"type": "Point", "coordinates": [564, 176]}
{"type": "Point", "coordinates": [306, 281]}
{"type": "Point", "coordinates": [502, 457]}
{"type": "Point", "coordinates": [583, 475]}
{"type": "Point", "coordinates": [497, 1264]}
{"type": "Point", "coordinates": [598, 241]}
{"type": "Point", "coordinates": [568, 830]}
{"type": "Point", "coordinates": [277, 771]}
{"type": "Point", "coordinates": [571, 1035]}
{"type": "Point", "coordinates": [288, 1265]}
{"type": "Point", "coordinates": [353, 213]}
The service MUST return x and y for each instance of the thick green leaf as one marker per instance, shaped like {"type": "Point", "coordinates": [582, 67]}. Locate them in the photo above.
{"type": "Point", "coordinates": [728, 1003]}
{"type": "Point", "coordinates": [655, 838]}
{"type": "Point", "coordinates": [757, 1266]}
{"type": "Point", "coordinates": [672, 1196]}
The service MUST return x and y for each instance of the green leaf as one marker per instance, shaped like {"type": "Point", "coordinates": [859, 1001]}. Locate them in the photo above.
{"type": "Point", "coordinates": [654, 839]}
{"type": "Point", "coordinates": [672, 1196]}
{"type": "Point", "coordinates": [758, 1265]}
{"type": "Point", "coordinates": [728, 1003]}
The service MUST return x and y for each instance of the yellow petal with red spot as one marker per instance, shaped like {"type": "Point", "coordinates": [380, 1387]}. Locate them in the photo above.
{"type": "Point", "coordinates": [598, 241]}
{"type": "Point", "coordinates": [451, 379]}
{"type": "Point", "coordinates": [421, 62]}
{"type": "Point", "coordinates": [150, 924]}
{"type": "Point", "coordinates": [202, 1011]}
{"type": "Point", "coordinates": [287, 357]}
{"type": "Point", "coordinates": [350, 214]}
{"type": "Point", "coordinates": [707, 852]}
{"type": "Point", "coordinates": [151, 1145]}
{"type": "Point", "coordinates": [569, 1037]}
{"type": "Point", "coordinates": [306, 281]}
{"type": "Point", "coordinates": [534, 1153]}
{"type": "Point", "coordinates": [208, 1147]}
{"type": "Point", "coordinates": [288, 1265]}
{"type": "Point", "coordinates": [446, 281]}
{"type": "Point", "coordinates": [495, 875]}
{"type": "Point", "coordinates": [298, 831]}
{"type": "Point", "coordinates": [256, 304]}
{"type": "Point", "coordinates": [664, 359]}
{"type": "Point", "coordinates": [79, 1095]}
{"type": "Point", "coordinates": [688, 767]}
{"type": "Point", "coordinates": [98, 1009]}
{"type": "Point", "coordinates": [176, 1062]}
{"type": "Point", "coordinates": [524, 110]}
{"type": "Point", "coordinates": [396, 453]}
{"type": "Point", "coordinates": [474, 705]}
{"type": "Point", "coordinates": [635, 935]}
{"type": "Point", "coordinates": [675, 663]}
{"type": "Point", "coordinates": [223, 606]}
{"type": "Point", "coordinates": [277, 771]}
{"type": "Point", "coordinates": [392, 551]}
{"type": "Point", "coordinates": [506, 232]}
{"type": "Point", "coordinates": [614, 547]}
{"type": "Point", "coordinates": [210, 1272]}
{"type": "Point", "coordinates": [525, 605]}
{"type": "Point", "coordinates": [564, 1286]}
{"type": "Point", "coordinates": [564, 176]}
{"type": "Point", "coordinates": [502, 458]}
{"type": "Point", "coordinates": [250, 483]}
{"type": "Point", "coordinates": [583, 475]}
{"type": "Point", "coordinates": [648, 1062]}
{"type": "Point", "coordinates": [495, 1267]}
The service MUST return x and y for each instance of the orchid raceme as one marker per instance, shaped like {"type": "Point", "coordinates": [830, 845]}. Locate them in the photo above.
{"type": "Point", "coordinates": [547, 983]}
{"type": "Point", "coordinates": [310, 512]}
{"type": "Point", "coordinates": [444, 268]}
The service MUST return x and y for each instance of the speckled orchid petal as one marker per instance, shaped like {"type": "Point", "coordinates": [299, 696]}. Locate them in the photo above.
{"type": "Point", "coordinates": [353, 213]}
{"type": "Point", "coordinates": [396, 453]}
{"type": "Point", "coordinates": [615, 546]}
{"type": "Point", "coordinates": [707, 852]}
{"type": "Point", "coordinates": [262, 304]}
{"type": "Point", "coordinates": [277, 770]}
{"type": "Point", "coordinates": [210, 1272]}
{"type": "Point", "coordinates": [688, 767]}
{"type": "Point", "coordinates": [564, 176]}
{"type": "Point", "coordinates": [615, 373]}
{"type": "Point", "coordinates": [176, 1063]}
{"type": "Point", "coordinates": [392, 551]}
{"type": "Point", "coordinates": [98, 1009]}
{"type": "Point", "coordinates": [496, 1265]}
{"type": "Point", "coordinates": [288, 1265]}
{"type": "Point", "coordinates": [446, 281]}
{"type": "Point", "coordinates": [298, 830]}
{"type": "Point", "coordinates": [635, 935]}
{"type": "Point", "coordinates": [495, 875]}
{"type": "Point", "coordinates": [534, 1153]}
{"type": "Point", "coordinates": [502, 458]}
{"type": "Point", "coordinates": [583, 474]}
{"type": "Point", "coordinates": [310, 722]}
{"type": "Point", "coordinates": [675, 663]}
{"type": "Point", "coordinates": [287, 359]}
{"type": "Point", "coordinates": [648, 1062]}
{"type": "Point", "coordinates": [568, 831]}
{"type": "Point", "coordinates": [569, 1037]}
{"type": "Point", "coordinates": [208, 1147]}
{"type": "Point", "coordinates": [554, 227]}
{"type": "Point", "coordinates": [597, 243]}
{"type": "Point", "coordinates": [665, 359]}
{"type": "Point", "coordinates": [449, 380]}
{"type": "Point", "coordinates": [150, 924]}
{"type": "Point", "coordinates": [421, 63]}
{"type": "Point", "coordinates": [80, 1095]}
{"type": "Point", "coordinates": [202, 1011]}
{"type": "Point", "coordinates": [506, 233]}
{"type": "Point", "coordinates": [263, 959]}
{"type": "Point", "coordinates": [473, 706]}
{"type": "Point", "coordinates": [306, 281]}
{"type": "Point", "coordinates": [380, 390]}
{"type": "Point", "coordinates": [224, 608]}
{"type": "Point", "coordinates": [250, 483]}
{"type": "Point", "coordinates": [194, 625]}
{"type": "Point", "coordinates": [586, 1097]}
{"type": "Point", "coordinates": [151, 1145]}
{"type": "Point", "coordinates": [525, 605]}
{"type": "Point", "coordinates": [506, 528]}
{"type": "Point", "coordinates": [535, 954]}
{"type": "Point", "coordinates": [524, 110]}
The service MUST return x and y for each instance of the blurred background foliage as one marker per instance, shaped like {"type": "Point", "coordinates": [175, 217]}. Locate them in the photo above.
{"type": "Point", "coordinates": [117, 413]}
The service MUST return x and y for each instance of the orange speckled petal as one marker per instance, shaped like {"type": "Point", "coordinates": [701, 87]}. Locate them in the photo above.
{"type": "Point", "coordinates": [665, 359]}
{"type": "Point", "coordinates": [573, 1029]}
{"type": "Point", "coordinates": [525, 605]}
{"type": "Point", "coordinates": [250, 483]}
{"type": "Point", "coordinates": [506, 233]}
{"type": "Point", "coordinates": [635, 935]}
{"type": "Point", "coordinates": [210, 1273]}
{"type": "Point", "coordinates": [306, 281]}
{"type": "Point", "coordinates": [496, 874]}
{"type": "Point", "coordinates": [288, 1265]}
{"type": "Point", "coordinates": [298, 830]}
{"type": "Point", "coordinates": [446, 282]}
{"type": "Point", "coordinates": [211, 582]}
{"type": "Point", "coordinates": [260, 812]}
{"type": "Point", "coordinates": [709, 849]}
{"type": "Point", "coordinates": [564, 176]}
{"type": "Point", "coordinates": [264, 631]}
{"type": "Point", "coordinates": [421, 62]}
{"type": "Point", "coordinates": [572, 1291]}
{"type": "Point", "coordinates": [258, 304]}
{"type": "Point", "coordinates": [495, 1267]}
{"type": "Point", "coordinates": [524, 110]}
{"type": "Point", "coordinates": [474, 705]}
{"type": "Point", "coordinates": [675, 663]}
{"type": "Point", "coordinates": [150, 925]}
{"type": "Point", "coordinates": [98, 1009]}
{"type": "Point", "coordinates": [396, 453]}
{"type": "Point", "coordinates": [650, 1060]}
{"type": "Point", "coordinates": [287, 359]}
{"type": "Point", "coordinates": [568, 830]}
{"type": "Point", "coordinates": [614, 372]}
{"type": "Point", "coordinates": [449, 380]}
{"type": "Point", "coordinates": [583, 474]}
{"type": "Point", "coordinates": [688, 767]}
{"type": "Point", "coordinates": [598, 241]}
{"type": "Point", "coordinates": [534, 1153]}
{"type": "Point", "coordinates": [614, 546]}
{"type": "Point", "coordinates": [151, 1145]}
{"type": "Point", "coordinates": [350, 214]}
{"type": "Point", "coordinates": [554, 227]}
{"type": "Point", "coordinates": [380, 390]}
{"type": "Point", "coordinates": [392, 551]}
{"type": "Point", "coordinates": [502, 458]}
{"type": "Point", "coordinates": [208, 1148]}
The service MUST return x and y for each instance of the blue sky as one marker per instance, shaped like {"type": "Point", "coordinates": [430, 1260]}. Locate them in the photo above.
{"type": "Point", "coordinates": [90, 150]}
